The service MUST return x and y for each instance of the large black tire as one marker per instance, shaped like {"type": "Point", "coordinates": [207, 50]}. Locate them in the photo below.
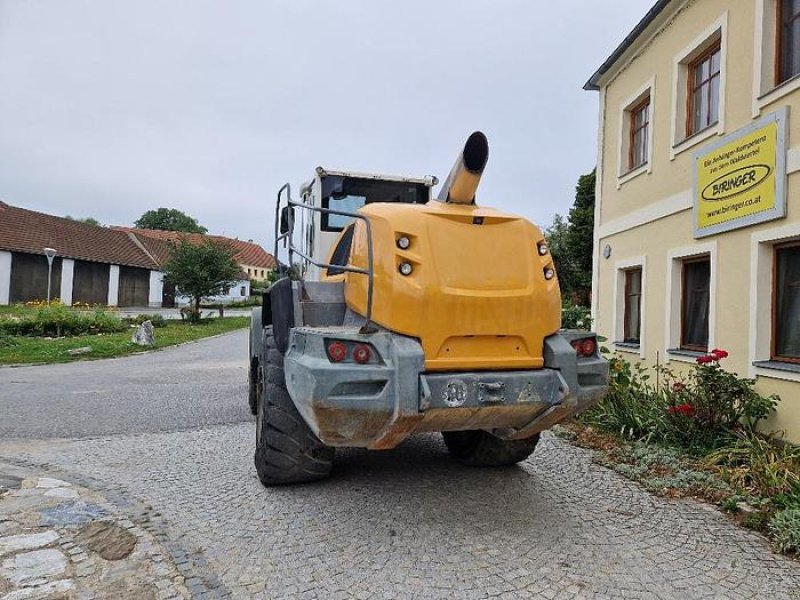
{"type": "Point", "coordinates": [287, 451]}
{"type": "Point", "coordinates": [482, 449]}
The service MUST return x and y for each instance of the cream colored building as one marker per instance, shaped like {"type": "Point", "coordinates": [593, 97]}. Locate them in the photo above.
{"type": "Point", "coordinates": [697, 223]}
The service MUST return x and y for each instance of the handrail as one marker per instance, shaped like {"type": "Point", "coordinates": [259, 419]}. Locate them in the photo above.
{"type": "Point", "coordinates": [369, 271]}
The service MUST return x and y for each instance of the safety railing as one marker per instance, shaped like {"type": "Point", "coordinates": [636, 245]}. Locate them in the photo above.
{"type": "Point", "coordinates": [289, 241]}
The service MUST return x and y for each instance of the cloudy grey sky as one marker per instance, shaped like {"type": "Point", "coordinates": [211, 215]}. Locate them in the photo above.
{"type": "Point", "coordinates": [109, 108]}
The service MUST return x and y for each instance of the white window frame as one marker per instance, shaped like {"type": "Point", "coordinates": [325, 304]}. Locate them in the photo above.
{"type": "Point", "coordinates": [625, 174]}
{"type": "Point", "coordinates": [762, 252]}
{"type": "Point", "coordinates": [680, 73]}
{"type": "Point", "coordinates": [618, 318]}
{"type": "Point", "coordinates": [674, 293]}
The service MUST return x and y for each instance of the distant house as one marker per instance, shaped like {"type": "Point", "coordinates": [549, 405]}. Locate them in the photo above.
{"type": "Point", "coordinates": [96, 265]}
{"type": "Point", "coordinates": [255, 263]}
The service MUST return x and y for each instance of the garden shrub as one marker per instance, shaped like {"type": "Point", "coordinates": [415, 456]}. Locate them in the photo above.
{"type": "Point", "coordinates": [155, 319]}
{"type": "Point", "coordinates": [784, 528]}
{"type": "Point", "coordinates": [57, 320]}
{"type": "Point", "coordinates": [756, 463]}
{"type": "Point", "coordinates": [574, 316]}
{"type": "Point", "coordinates": [699, 412]}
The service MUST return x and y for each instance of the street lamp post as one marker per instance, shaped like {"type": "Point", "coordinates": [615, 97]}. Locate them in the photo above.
{"type": "Point", "coordinates": [50, 253]}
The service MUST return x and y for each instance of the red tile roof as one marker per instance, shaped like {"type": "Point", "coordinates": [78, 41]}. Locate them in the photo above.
{"type": "Point", "coordinates": [247, 253]}
{"type": "Point", "coordinates": [23, 230]}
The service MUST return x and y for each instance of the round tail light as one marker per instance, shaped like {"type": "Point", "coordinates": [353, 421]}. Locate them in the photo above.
{"type": "Point", "coordinates": [362, 354]}
{"type": "Point", "coordinates": [588, 347]}
{"type": "Point", "coordinates": [337, 351]}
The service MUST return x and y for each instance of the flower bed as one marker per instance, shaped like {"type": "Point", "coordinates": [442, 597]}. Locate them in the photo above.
{"type": "Point", "coordinates": [696, 434]}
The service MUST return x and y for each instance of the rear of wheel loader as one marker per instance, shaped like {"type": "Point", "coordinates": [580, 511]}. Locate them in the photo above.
{"type": "Point", "coordinates": [436, 315]}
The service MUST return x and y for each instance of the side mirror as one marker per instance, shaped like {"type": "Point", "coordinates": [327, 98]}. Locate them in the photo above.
{"type": "Point", "coordinates": [287, 219]}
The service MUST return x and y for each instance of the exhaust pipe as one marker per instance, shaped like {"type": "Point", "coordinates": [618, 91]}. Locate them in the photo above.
{"type": "Point", "coordinates": [463, 180]}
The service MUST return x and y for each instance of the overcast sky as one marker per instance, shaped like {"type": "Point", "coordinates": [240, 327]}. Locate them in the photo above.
{"type": "Point", "coordinates": [109, 108]}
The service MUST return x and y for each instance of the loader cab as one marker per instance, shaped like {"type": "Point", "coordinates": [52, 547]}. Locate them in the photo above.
{"type": "Point", "coordinates": [348, 191]}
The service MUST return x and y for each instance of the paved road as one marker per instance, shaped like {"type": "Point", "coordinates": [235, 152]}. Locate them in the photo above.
{"type": "Point", "coordinates": [410, 522]}
{"type": "Point", "coordinates": [183, 387]}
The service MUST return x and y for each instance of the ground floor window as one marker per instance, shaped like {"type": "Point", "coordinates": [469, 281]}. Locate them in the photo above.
{"type": "Point", "coordinates": [695, 297]}
{"type": "Point", "coordinates": [633, 306]}
{"type": "Point", "coordinates": [786, 303]}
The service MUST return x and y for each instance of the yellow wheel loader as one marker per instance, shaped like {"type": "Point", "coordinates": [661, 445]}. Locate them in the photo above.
{"type": "Point", "coordinates": [399, 313]}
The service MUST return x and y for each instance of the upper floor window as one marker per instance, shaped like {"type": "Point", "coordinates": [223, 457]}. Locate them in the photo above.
{"type": "Point", "coordinates": [786, 303]}
{"type": "Point", "coordinates": [788, 63]}
{"type": "Point", "coordinates": [639, 134]}
{"type": "Point", "coordinates": [703, 93]}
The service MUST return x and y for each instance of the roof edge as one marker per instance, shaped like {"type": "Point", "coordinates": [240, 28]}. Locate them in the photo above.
{"type": "Point", "coordinates": [592, 85]}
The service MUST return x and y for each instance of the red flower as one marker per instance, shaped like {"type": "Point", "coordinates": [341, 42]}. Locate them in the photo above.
{"type": "Point", "coordinates": [719, 353]}
{"type": "Point", "coordinates": [704, 360]}
{"type": "Point", "coordinates": [687, 410]}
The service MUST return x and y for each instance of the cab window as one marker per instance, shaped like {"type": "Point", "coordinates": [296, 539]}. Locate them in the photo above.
{"type": "Point", "coordinates": [348, 194]}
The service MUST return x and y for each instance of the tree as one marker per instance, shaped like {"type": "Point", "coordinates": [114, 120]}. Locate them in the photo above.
{"type": "Point", "coordinates": [201, 270]}
{"type": "Point", "coordinates": [571, 243]}
{"type": "Point", "coordinates": [169, 219]}
{"type": "Point", "coordinates": [87, 220]}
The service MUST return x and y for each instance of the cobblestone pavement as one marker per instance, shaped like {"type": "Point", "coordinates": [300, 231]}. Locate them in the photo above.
{"type": "Point", "coordinates": [411, 523]}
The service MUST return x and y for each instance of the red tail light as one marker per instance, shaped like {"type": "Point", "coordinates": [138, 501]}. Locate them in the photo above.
{"type": "Point", "coordinates": [337, 351]}
{"type": "Point", "coordinates": [585, 347]}
{"type": "Point", "coordinates": [362, 354]}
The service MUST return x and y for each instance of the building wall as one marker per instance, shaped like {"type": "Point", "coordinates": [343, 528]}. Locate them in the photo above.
{"type": "Point", "coordinates": [5, 277]}
{"type": "Point", "coordinates": [255, 272]}
{"type": "Point", "coordinates": [647, 217]}
{"type": "Point", "coordinates": [239, 292]}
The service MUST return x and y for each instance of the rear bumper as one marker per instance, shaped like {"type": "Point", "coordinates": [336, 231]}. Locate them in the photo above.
{"type": "Point", "coordinates": [378, 406]}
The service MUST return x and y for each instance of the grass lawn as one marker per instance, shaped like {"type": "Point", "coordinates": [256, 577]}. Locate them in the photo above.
{"type": "Point", "coordinates": [26, 350]}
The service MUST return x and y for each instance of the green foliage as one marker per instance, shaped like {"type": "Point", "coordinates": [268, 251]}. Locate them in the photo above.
{"type": "Point", "coordinates": [155, 320]}
{"type": "Point", "coordinates": [632, 408]}
{"type": "Point", "coordinates": [699, 412]}
{"type": "Point", "coordinates": [201, 270]}
{"type": "Point", "coordinates": [87, 220]}
{"type": "Point", "coordinates": [27, 350]}
{"type": "Point", "coordinates": [784, 528]}
{"type": "Point", "coordinates": [571, 243]}
{"type": "Point", "coordinates": [664, 470]}
{"type": "Point", "coordinates": [574, 316]}
{"type": "Point", "coordinates": [758, 464]}
{"type": "Point", "coordinates": [169, 219]}
{"type": "Point", "coordinates": [57, 320]}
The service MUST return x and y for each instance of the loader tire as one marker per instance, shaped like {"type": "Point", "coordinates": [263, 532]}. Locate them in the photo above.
{"type": "Point", "coordinates": [287, 451]}
{"type": "Point", "coordinates": [482, 449]}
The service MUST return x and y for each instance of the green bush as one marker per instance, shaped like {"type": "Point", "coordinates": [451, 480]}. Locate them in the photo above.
{"type": "Point", "coordinates": [156, 320]}
{"type": "Point", "coordinates": [699, 412]}
{"type": "Point", "coordinates": [57, 320]}
{"type": "Point", "coordinates": [784, 528]}
{"type": "Point", "coordinates": [632, 408]}
{"type": "Point", "coordinates": [574, 316]}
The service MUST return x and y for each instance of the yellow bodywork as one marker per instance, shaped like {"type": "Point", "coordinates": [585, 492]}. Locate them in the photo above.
{"type": "Point", "coordinates": [477, 297]}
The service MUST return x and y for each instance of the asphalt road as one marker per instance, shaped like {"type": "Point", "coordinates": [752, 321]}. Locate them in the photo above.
{"type": "Point", "coordinates": [182, 387]}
